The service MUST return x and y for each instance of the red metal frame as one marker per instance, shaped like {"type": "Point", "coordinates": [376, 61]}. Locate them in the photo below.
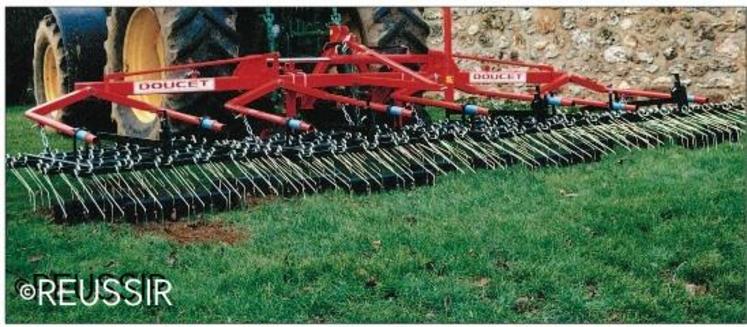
{"type": "Point", "coordinates": [259, 75]}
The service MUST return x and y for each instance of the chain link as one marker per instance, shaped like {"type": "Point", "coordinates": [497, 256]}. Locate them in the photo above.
{"type": "Point", "coordinates": [272, 29]}
{"type": "Point", "coordinates": [347, 115]}
{"type": "Point", "coordinates": [44, 139]}
{"type": "Point", "coordinates": [416, 116]}
{"type": "Point", "coordinates": [336, 18]}
{"type": "Point", "coordinates": [247, 126]}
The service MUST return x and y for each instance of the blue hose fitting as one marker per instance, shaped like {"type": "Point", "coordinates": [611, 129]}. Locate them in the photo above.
{"type": "Point", "coordinates": [206, 123]}
{"type": "Point", "coordinates": [554, 101]}
{"type": "Point", "coordinates": [80, 134]}
{"type": "Point", "coordinates": [294, 124]}
{"type": "Point", "coordinates": [394, 111]}
{"type": "Point", "coordinates": [471, 109]}
{"type": "Point", "coordinates": [618, 106]}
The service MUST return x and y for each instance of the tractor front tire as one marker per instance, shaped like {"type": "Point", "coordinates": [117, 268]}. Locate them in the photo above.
{"type": "Point", "coordinates": [55, 74]}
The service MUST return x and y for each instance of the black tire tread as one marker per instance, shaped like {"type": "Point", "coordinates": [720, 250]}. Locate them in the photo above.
{"type": "Point", "coordinates": [388, 27]}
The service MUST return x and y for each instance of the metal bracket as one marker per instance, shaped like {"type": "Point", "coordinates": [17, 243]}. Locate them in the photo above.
{"type": "Point", "coordinates": [166, 136]}
{"type": "Point", "coordinates": [540, 106]}
{"type": "Point", "coordinates": [679, 93]}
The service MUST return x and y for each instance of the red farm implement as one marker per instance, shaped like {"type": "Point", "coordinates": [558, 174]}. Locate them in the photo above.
{"type": "Point", "coordinates": [385, 142]}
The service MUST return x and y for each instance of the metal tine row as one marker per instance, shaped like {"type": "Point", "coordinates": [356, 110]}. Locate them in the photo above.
{"type": "Point", "coordinates": [229, 173]}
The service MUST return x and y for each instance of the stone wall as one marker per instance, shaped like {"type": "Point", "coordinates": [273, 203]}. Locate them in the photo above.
{"type": "Point", "coordinates": [625, 47]}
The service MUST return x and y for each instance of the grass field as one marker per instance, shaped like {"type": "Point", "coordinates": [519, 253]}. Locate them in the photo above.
{"type": "Point", "coordinates": [650, 236]}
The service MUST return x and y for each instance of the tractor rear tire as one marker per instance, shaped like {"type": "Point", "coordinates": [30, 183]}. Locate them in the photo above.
{"type": "Point", "coordinates": [55, 75]}
{"type": "Point", "coordinates": [390, 28]}
{"type": "Point", "coordinates": [386, 27]}
{"type": "Point", "coordinates": [193, 34]}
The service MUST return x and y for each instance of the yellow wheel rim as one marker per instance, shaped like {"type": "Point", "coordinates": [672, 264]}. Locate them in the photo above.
{"type": "Point", "coordinates": [52, 87]}
{"type": "Point", "coordinates": [144, 50]}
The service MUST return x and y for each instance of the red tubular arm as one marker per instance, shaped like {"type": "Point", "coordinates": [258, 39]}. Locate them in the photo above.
{"type": "Point", "coordinates": [395, 65]}
{"type": "Point", "coordinates": [178, 116]}
{"type": "Point", "coordinates": [256, 93]}
{"type": "Point", "coordinates": [506, 95]}
{"type": "Point", "coordinates": [599, 104]}
{"type": "Point", "coordinates": [503, 62]}
{"type": "Point", "coordinates": [555, 84]}
{"type": "Point", "coordinates": [700, 99]}
{"type": "Point", "coordinates": [40, 112]}
{"type": "Point", "coordinates": [268, 117]}
{"type": "Point", "coordinates": [62, 102]}
{"type": "Point", "coordinates": [404, 96]}
{"type": "Point", "coordinates": [121, 75]}
{"type": "Point", "coordinates": [237, 105]}
{"type": "Point", "coordinates": [319, 94]}
{"type": "Point", "coordinates": [641, 93]}
{"type": "Point", "coordinates": [495, 94]}
{"type": "Point", "coordinates": [656, 95]}
{"type": "Point", "coordinates": [588, 83]}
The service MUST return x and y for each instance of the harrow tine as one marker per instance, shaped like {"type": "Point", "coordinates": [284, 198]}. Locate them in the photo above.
{"type": "Point", "coordinates": [90, 195]}
{"type": "Point", "coordinates": [403, 168]}
{"type": "Point", "coordinates": [227, 171]}
{"type": "Point", "coordinates": [639, 132]}
{"type": "Point", "coordinates": [460, 156]}
{"type": "Point", "coordinates": [29, 190]}
{"type": "Point", "coordinates": [326, 171]}
{"type": "Point", "coordinates": [180, 175]}
{"type": "Point", "coordinates": [537, 140]}
{"type": "Point", "coordinates": [358, 164]}
{"type": "Point", "coordinates": [252, 166]}
{"type": "Point", "coordinates": [57, 196]}
{"type": "Point", "coordinates": [441, 155]}
{"type": "Point", "coordinates": [550, 142]}
{"type": "Point", "coordinates": [576, 150]}
{"type": "Point", "coordinates": [42, 188]}
{"type": "Point", "coordinates": [215, 171]}
{"type": "Point", "coordinates": [302, 175]}
{"type": "Point", "coordinates": [594, 142]}
{"type": "Point", "coordinates": [76, 194]}
{"type": "Point", "coordinates": [492, 158]}
{"type": "Point", "coordinates": [139, 178]}
{"type": "Point", "coordinates": [618, 138]}
{"type": "Point", "coordinates": [132, 193]}
{"type": "Point", "coordinates": [526, 141]}
{"type": "Point", "coordinates": [191, 175]}
{"type": "Point", "coordinates": [408, 156]}
{"type": "Point", "coordinates": [176, 191]}
{"type": "Point", "coordinates": [330, 166]}
{"type": "Point", "coordinates": [502, 147]}
{"type": "Point", "coordinates": [246, 177]}
{"type": "Point", "coordinates": [107, 196]}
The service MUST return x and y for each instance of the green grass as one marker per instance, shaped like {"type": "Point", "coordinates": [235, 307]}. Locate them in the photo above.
{"type": "Point", "coordinates": [613, 241]}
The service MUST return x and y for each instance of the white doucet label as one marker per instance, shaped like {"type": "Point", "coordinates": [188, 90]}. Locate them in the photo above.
{"type": "Point", "coordinates": [174, 86]}
{"type": "Point", "coordinates": [497, 77]}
